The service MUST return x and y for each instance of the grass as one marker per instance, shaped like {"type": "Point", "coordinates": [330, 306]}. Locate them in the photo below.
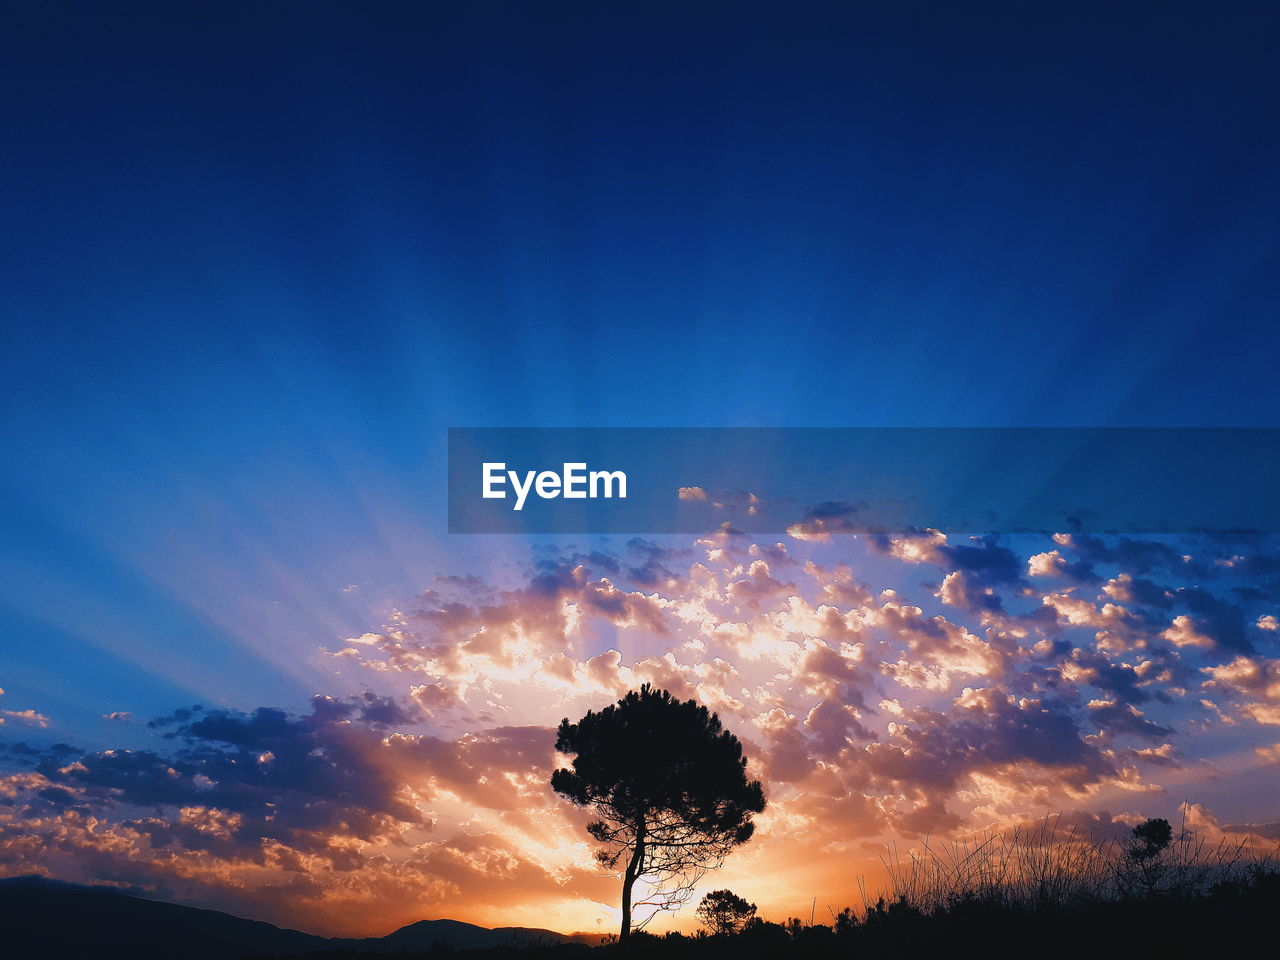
{"type": "Point", "coordinates": [1052, 866]}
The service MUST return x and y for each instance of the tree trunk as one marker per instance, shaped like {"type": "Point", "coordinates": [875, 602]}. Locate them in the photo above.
{"type": "Point", "coordinates": [628, 880]}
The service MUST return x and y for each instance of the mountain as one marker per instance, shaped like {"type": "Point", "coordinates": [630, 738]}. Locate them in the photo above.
{"type": "Point", "coordinates": [425, 934]}
{"type": "Point", "coordinates": [44, 919]}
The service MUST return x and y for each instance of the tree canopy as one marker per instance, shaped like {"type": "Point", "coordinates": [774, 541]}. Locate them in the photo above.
{"type": "Point", "coordinates": [723, 911]}
{"type": "Point", "coordinates": [669, 787]}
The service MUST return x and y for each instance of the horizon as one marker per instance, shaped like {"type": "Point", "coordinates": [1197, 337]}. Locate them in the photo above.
{"type": "Point", "coordinates": [262, 260]}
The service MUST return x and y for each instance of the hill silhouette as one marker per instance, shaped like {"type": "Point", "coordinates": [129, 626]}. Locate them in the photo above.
{"type": "Point", "coordinates": [45, 919]}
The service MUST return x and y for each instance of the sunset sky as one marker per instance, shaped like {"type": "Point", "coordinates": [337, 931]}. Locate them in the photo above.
{"type": "Point", "coordinates": [256, 267]}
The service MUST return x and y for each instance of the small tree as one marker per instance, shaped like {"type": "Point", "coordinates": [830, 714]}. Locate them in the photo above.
{"type": "Point", "coordinates": [669, 786]}
{"type": "Point", "coordinates": [1150, 838]}
{"type": "Point", "coordinates": [1145, 852]}
{"type": "Point", "coordinates": [723, 911]}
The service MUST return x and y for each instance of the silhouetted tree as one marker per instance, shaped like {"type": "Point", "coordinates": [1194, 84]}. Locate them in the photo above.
{"type": "Point", "coordinates": [723, 911]}
{"type": "Point", "coordinates": [668, 784]}
{"type": "Point", "coordinates": [1145, 851]}
{"type": "Point", "coordinates": [1150, 838]}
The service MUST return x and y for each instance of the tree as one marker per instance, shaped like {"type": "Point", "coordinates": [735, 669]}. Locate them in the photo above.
{"type": "Point", "coordinates": [1150, 838]}
{"type": "Point", "coordinates": [1145, 853]}
{"type": "Point", "coordinates": [723, 911]}
{"type": "Point", "coordinates": [669, 787]}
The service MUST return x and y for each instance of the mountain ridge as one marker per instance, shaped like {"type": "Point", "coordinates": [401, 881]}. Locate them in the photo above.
{"type": "Point", "coordinates": [47, 919]}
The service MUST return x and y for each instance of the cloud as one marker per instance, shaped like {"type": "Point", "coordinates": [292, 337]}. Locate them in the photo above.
{"type": "Point", "coordinates": [29, 717]}
{"type": "Point", "coordinates": [1118, 719]}
{"type": "Point", "coordinates": [823, 519]}
{"type": "Point", "coordinates": [1270, 753]}
{"type": "Point", "coordinates": [976, 572]}
{"type": "Point", "coordinates": [1254, 682]}
{"type": "Point", "coordinates": [958, 591]}
{"type": "Point", "coordinates": [986, 729]}
{"type": "Point", "coordinates": [1220, 622]}
{"type": "Point", "coordinates": [1052, 563]}
{"type": "Point", "coordinates": [1134, 555]}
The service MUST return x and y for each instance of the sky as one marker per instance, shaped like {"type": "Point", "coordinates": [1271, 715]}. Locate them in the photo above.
{"type": "Point", "coordinates": [258, 261]}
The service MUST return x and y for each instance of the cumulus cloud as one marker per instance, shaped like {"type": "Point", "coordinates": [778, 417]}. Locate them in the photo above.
{"type": "Point", "coordinates": [30, 717]}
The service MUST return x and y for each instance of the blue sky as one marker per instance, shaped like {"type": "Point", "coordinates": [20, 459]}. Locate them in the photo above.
{"type": "Point", "coordinates": [257, 261]}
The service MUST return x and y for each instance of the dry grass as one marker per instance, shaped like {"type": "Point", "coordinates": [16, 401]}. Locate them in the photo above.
{"type": "Point", "coordinates": [1053, 865]}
